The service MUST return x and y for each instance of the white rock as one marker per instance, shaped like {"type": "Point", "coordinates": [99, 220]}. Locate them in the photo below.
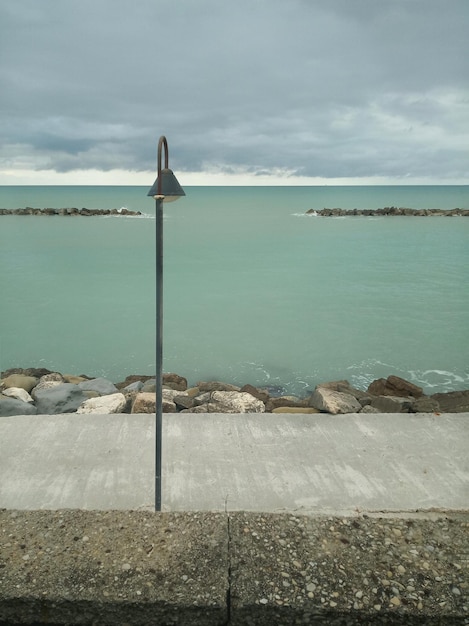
{"type": "Point", "coordinates": [45, 384]}
{"type": "Point", "coordinates": [18, 393]}
{"type": "Point", "coordinates": [334, 401]}
{"type": "Point", "coordinates": [113, 403]}
{"type": "Point", "coordinates": [235, 402]}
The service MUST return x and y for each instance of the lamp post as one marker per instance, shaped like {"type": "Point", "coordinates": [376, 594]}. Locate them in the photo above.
{"type": "Point", "coordinates": [165, 189]}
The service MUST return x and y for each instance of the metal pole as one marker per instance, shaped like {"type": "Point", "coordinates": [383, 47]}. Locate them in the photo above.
{"type": "Point", "coordinates": [159, 348]}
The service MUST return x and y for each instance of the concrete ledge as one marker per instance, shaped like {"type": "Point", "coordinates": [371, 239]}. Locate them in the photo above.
{"type": "Point", "coordinates": [237, 462]}
{"type": "Point", "coordinates": [138, 568]}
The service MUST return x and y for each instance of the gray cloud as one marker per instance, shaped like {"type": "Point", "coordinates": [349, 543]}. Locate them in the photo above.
{"type": "Point", "coordinates": [323, 88]}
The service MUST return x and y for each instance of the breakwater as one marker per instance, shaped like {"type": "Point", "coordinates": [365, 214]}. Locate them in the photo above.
{"type": "Point", "coordinates": [388, 211]}
{"type": "Point", "coordinates": [70, 212]}
{"type": "Point", "coordinates": [326, 212]}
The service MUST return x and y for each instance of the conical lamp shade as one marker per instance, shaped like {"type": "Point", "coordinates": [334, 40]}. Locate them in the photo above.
{"type": "Point", "coordinates": [170, 188]}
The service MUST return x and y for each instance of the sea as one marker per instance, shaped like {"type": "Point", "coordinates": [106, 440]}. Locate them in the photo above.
{"type": "Point", "coordinates": [255, 290]}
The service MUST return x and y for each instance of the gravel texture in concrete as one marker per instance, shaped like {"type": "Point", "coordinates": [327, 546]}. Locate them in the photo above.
{"type": "Point", "coordinates": [139, 568]}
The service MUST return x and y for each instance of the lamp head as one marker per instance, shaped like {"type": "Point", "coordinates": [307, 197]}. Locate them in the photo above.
{"type": "Point", "coordinates": [166, 184]}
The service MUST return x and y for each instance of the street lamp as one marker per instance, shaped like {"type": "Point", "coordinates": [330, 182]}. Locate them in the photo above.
{"type": "Point", "coordinates": [165, 189]}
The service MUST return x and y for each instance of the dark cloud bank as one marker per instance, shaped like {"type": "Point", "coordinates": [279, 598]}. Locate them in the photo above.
{"type": "Point", "coordinates": [327, 88]}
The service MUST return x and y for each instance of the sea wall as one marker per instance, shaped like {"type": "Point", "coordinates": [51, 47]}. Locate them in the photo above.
{"type": "Point", "coordinates": [34, 391]}
{"type": "Point", "coordinates": [141, 568]}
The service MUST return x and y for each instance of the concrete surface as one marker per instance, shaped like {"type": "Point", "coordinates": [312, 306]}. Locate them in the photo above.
{"type": "Point", "coordinates": [228, 462]}
{"type": "Point", "coordinates": [133, 568]}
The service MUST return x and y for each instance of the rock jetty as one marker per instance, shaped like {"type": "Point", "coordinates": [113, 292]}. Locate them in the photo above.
{"type": "Point", "coordinates": [37, 391]}
{"type": "Point", "coordinates": [70, 212]}
{"type": "Point", "coordinates": [389, 211]}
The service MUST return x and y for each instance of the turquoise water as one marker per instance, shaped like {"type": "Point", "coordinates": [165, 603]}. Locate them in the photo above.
{"type": "Point", "coordinates": [255, 290]}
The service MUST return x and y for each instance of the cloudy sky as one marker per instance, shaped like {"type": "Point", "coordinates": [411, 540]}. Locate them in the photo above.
{"type": "Point", "coordinates": [246, 91]}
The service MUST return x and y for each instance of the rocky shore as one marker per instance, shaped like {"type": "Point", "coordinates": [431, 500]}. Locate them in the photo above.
{"type": "Point", "coordinates": [389, 211]}
{"type": "Point", "coordinates": [73, 212]}
{"type": "Point", "coordinates": [38, 391]}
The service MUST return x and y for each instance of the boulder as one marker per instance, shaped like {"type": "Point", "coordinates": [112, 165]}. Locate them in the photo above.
{"type": "Point", "coordinates": [260, 394]}
{"type": "Point", "coordinates": [103, 386]}
{"type": "Point", "coordinates": [36, 372]}
{"type": "Point", "coordinates": [18, 393]}
{"type": "Point", "coordinates": [452, 401]}
{"type": "Point", "coordinates": [55, 376]}
{"type": "Point", "coordinates": [136, 386]}
{"type": "Point", "coordinates": [390, 404]}
{"type": "Point", "coordinates": [425, 404]}
{"type": "Point", "coordinates": [113, 403]}
{"type": "Point", "coordinates": [45, 384]}
{"type": "Point", "coordinates": [149, 386]}
{"type": "Point", "coordinates": [334, 401]}
{"type": "Point", "coordinates": [174, 381]}
{"type": "Point", "coordinates": [183, 401]}
{"type": "Point", "coordinates": [12, 406]}
{"type": "Point", "coordinates": [19, 380]}
{"type": "Point", "coordinates": [369, 409]}
{"type": "Point", "coordinates": [132, 379]}
{"type": "Point", "coordinates": [344, 386]}
{"type": "Point", "coordinates": [63, 398]}
{"type": "Point", "coordinates": [70, 378]}
{"type": "Point", "coordinates": [275, 403]}
{"type": "Point", "coordinates": [394, 386]}
{"type": "Point", "coordinates": [234, 402]}
{"type": "Point", "coordinates": [295, 409]}
{"type": "Point", "coordinates": [145, 402]}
